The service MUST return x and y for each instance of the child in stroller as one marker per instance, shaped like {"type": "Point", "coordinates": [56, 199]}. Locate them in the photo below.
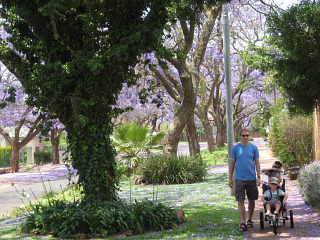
{"type": "Point", "coordinates": [275, 171]}
{"type": "Point", "coordinates": [274, 198]}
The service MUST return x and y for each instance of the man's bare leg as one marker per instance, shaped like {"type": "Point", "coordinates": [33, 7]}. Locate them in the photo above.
{"type": "Point", "coordinates": [242, 211]}
{"type": "Point", "coordinates": [251, 207]}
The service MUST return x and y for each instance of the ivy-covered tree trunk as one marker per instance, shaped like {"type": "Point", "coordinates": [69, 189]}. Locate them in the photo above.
{"type": "Point", "coordinates": [94, 160]}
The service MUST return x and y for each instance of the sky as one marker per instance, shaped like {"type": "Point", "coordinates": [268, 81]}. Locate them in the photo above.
{"type": "Point", "coordinates": [285, 3]}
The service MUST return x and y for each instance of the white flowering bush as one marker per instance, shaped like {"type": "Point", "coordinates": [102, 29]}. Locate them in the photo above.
{"type": "Point", "coordinates": [309, 182]}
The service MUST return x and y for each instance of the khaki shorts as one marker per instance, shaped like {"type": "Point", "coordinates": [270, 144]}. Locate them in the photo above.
{"type": "Point", "coordinates": [243, 187]}
{"type": "Point", "coordinates": [273, 204]}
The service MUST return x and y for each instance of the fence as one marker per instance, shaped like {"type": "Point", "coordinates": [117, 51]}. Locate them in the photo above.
{"type": "Point", "coordinates": [25, 156]}
{"type": "Point", "coordinates": [5, 157]}
{"type": "Point", "coordinates": [48, 150]}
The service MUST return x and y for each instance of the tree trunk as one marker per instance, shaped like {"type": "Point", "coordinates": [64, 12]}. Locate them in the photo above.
{"type": "Point", "coordinates": [209, 135]}
{"type": "Point", "coordinates": [194, 147]}
{"type": "Point", "coordinates": [173, 133]}
{"type": "Point", "coordinates": [55, 141]}
{"type": "Point", "coordinates": [185, 111]}
{"type": "Point", "coordinates": [92, 153]}
{"type": "Point", "coordinates": [221, 135]}
{"type": "Point", "coordinates": [154, 123]}
{"type": "Point", "coordinates": [16, 145]}
{"type": "Point", "coordinates": [55, 153]}
{"type": "Point", "coordinates": [14, 158]}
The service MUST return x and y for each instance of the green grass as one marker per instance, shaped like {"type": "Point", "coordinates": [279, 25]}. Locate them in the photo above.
{"type": "Point", "coordinates": [211, 212]}
{"type": "Point", "coordinates": [218, 156]}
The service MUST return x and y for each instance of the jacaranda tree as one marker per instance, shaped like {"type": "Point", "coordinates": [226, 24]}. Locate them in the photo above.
{"type": "Point", "coordinates": [19, 124]}
{"type": "Point", "coordinates": [72, 57]}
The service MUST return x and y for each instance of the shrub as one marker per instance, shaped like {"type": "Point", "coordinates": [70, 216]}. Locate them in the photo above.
{"type": "Point", "coordinates": [123, 170]}
{"type": "Point", "coordinates": [297, 136]}
{"type": "Point", "coordinates": [171, 170]}
{"type": "Point", "coordinates": [291, 138]}
{"type": "Point", "coordinates": [309, 183]}
{"type": "Point", "coordinates": [264, 134]}
{"type": "Point", "coordinates": [69, 219]}
{"type": "Point", "coordinates": [43, 157]}
{"type": "Point", "coordinates": [218, 156]}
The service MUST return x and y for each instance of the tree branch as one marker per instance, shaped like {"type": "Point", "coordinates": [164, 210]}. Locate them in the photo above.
{"type": "Point", "coordinates": [165, 83]}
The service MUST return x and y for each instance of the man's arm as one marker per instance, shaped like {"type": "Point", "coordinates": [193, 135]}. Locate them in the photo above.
{"type": "Point", "coordinates": [258, 170]}
{"type": "Point", "coordinates": [285, 199]}
{"type": "Point", "coordinates": [263, 199]}
{"type": "Point", "coordinates": [279, 177]}
{"type": "Point", "coordinates": [267, 170]}
{"type": "Point", "coordinates": [231, 170]}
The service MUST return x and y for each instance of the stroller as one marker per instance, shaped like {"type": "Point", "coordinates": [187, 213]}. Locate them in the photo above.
{"type": "Point", "coordinates": [275, 220]}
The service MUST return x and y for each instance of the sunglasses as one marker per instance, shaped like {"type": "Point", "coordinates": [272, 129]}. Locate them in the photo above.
{"type": "Point", "coordinates": [274, 183]}
{"type": "Point", "coordinates": [276, 166]}
{"type": "Point", "coordinates": [247, 135]}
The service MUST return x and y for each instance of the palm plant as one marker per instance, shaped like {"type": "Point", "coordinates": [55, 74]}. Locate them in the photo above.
{"type": "Point", "coordinates": [132, 139]}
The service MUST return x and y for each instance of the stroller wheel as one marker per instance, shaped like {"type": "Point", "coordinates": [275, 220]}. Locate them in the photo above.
{"type": "Point", "coordinates": [291, 219]}
{"type": "Point", "coordinates": [274, 223]}
{"type": "Point", "coordinates": [284, 216]}
{"type": "Point", "coordinates": [261, 220]}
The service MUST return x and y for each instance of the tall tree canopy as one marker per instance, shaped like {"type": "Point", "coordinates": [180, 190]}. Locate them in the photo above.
{"type": "Point", "coordinates": [72, 57]}
{"type": "Point", "coordinates": [295, 33]}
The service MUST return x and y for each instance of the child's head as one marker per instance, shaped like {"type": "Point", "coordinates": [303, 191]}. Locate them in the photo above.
{"type": "Point", "coordinates": [277, 165]}
{"type": "Point", "coordinates": [273, 182]}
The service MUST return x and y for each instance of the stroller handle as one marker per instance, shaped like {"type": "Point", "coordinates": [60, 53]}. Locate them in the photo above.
{"type": "Point", "coordinates": [282, 173]}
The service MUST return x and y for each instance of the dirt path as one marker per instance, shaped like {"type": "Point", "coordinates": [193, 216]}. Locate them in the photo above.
{"type": "Point", "coordinates": [306, 220]}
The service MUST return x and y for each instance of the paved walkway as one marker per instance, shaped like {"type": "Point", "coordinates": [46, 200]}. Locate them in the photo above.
{"type": "Point", "coordinates": [34, 184]}
{"type": "Point", "coordinates": [306, 220]}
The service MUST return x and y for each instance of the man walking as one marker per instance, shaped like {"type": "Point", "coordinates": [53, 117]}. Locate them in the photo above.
{"type": "Point", "coordinates": [245, 162]}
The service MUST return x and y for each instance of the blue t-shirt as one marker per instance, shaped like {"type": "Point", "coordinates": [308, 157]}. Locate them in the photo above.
{"type": "Point", "coordinates": [245, 166]}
